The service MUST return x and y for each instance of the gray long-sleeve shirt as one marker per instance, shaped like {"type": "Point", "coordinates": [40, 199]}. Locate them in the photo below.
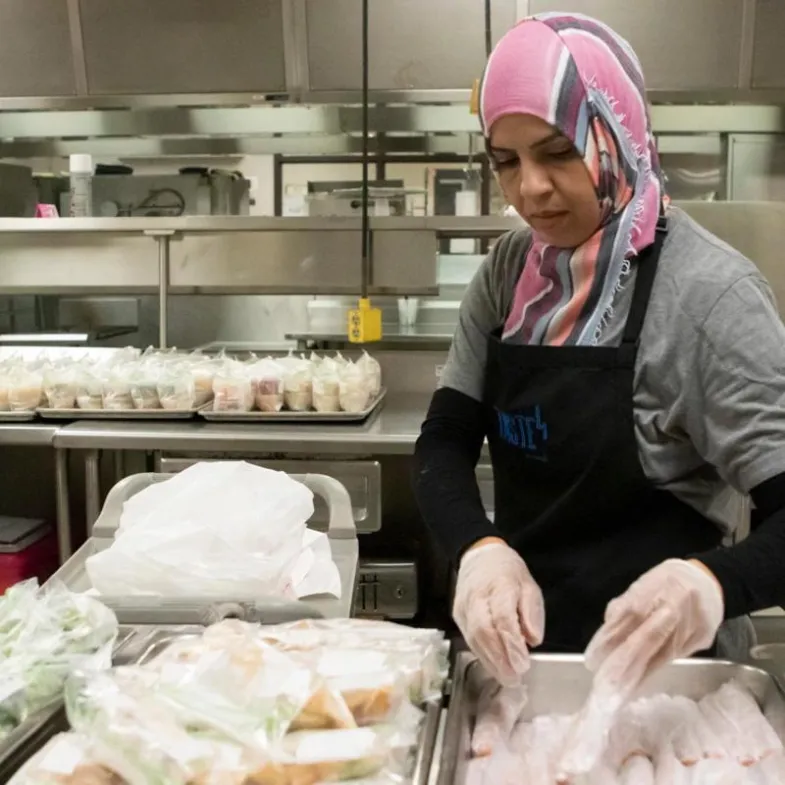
{"type": "Point", "coordinates": [709, 389]}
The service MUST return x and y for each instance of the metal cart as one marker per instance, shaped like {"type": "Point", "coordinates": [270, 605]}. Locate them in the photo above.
{"type": "Point", "coordinates": [141, 610]}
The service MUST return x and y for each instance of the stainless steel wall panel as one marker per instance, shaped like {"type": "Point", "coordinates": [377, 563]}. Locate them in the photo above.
{"type": "Point", "coordinates": [35, 49]}
{"type": "Point", "coordinates": [413, 45]}
{"type": "Point", "coordinates": [694, 45]}
{"type": "Point", "coordinates": [768, 61]}
{"type": "Point", "coordinates": [183, 46]}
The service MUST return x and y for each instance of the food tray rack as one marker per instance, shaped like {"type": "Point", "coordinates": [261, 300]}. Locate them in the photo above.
{"type": "Point", "coordinates": [27, 416]}
{"type": "Point", "coordinates": [30, 735]}
{"type": "Point", "coordinates": [117, 414]}
{"type": "Point", "coordinates": [286, 416]}
{"type": "Point", "coordinates": [341, 535]}
{"type": "Point", "coordinates": [560, 683]}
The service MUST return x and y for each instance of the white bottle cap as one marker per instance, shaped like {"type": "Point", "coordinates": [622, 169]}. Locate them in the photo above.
{"type": "Point", "coordinates": [81, 163]}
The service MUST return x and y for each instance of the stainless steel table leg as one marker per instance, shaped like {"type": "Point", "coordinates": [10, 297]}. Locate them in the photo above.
{"type": "Point", "coordinates": [92, 488]}
{"type": "Point", "coordinates": [62, 500]}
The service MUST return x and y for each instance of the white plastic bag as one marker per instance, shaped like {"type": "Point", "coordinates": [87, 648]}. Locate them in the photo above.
{"type": "Point", "coordinates": [326, 387]}
{"type": "Point", "coordinates": [373, 373]}
{"type": "Point", "coordinates": [221, 529]}
{"type": "Point", "coordinates": [354, 393]}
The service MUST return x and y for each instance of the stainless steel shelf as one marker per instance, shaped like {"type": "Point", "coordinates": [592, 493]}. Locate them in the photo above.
{"type": "Point", "coordinates": [472, 226]}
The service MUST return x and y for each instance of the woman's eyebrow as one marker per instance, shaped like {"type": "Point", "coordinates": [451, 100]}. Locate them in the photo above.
{"type": "Point", "coordinates": [551, 137]}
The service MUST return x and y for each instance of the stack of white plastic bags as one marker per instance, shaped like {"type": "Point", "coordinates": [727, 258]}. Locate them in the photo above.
{"type": "Point", "coordinates": [298, 384]}
{"type": "Point", "coordinates": [44, 636]}
{"type": "Point", "coordinates": [227, 530]}
{"type": "Point", "coordinates": [722, 739]}
{"type": "Point", "coordinates": [293, 704]}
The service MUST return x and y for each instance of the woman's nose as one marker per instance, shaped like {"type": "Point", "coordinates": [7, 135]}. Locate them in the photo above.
{"type": "Point", "coordinates": [535, 180]}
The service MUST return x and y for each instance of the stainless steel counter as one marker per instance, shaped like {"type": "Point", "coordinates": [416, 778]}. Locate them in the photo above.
{"type": "Point", "coordinates": [391, 431]}
{"type": "Point", "coordinates": [28, 434]}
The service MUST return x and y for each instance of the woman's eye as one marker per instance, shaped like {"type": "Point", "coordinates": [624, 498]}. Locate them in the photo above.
{"type": "Point", "coordinates": [506, 164]}
{"type": "Point", "coordinates": [563, 153]}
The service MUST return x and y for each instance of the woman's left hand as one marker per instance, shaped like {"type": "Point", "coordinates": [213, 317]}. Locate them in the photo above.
{"type": "Point", "coordinates": [672, 611]}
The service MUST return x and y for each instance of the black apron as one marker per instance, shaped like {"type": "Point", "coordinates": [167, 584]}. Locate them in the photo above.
{"type": "Point", "coordinates": [570, 494]}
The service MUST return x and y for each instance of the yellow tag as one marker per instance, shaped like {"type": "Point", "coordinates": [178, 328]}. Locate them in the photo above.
{"type": "Point", "coordinates": [474, 101]}
{"type": "Point", "coordinates": [365, 323]}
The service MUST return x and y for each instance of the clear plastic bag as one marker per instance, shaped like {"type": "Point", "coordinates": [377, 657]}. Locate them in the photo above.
{"type": "Point", "coordinates": [373, 373]}
{"type": "Point", "coordinates": [117, 390]}
{"type": "Point", "coordinates": [327, 387]}
{"type": "Point", "coordinates": [25, 390]}
{"type": "Point", "coordinates": [203, 372]}
{"type": "Point", "coordinates": [45, 636]}
{"type": "Point", "coordinates": [232, 390]}
{"type": "Point", "coordinates": [354, 392]}
{"type": "Point", "coordinates": [297, 384]}
{"type": "Point", "coordinates": [267, 378]}
{"type": "Point", "coordinates": [89, 389]}
{"type": "Point", "coordinates": [217, 529]}
{"type": "Point", "coordinates": [176, 389]}
{"type": "Point", "coordinates": [60, 385]}
{"type": "Point", "coordinates": [5, 404]}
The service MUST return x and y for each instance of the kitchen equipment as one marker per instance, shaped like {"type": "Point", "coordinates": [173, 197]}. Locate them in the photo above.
{"type": "Point", "coordinates": [194, 191]}
{"type": "Point", "coordinates": [18, 195]}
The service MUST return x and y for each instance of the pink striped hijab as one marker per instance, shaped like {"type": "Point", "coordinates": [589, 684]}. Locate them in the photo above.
{"type": "Point", "coordinates": [581, 77]}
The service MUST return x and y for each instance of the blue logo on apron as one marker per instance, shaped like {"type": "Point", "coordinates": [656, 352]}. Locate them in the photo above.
{"type": "Point", "coordinates": [527, 432]}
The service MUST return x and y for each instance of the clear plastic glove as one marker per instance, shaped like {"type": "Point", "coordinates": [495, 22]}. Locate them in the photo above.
{"type": "Point", "coordinates": [499, 609]}
{"type": "Point", "coordinates": [671, 611]}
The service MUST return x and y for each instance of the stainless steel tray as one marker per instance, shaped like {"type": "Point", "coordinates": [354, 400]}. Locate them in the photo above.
{"type": "Point", "coordinates": [560, 684]}
{"type": "Point", "coordinates": [117, 414]}
{"type": "Point", "coordinates": [292, 417]}
{"type": "Point", "coordinates": [29, 736]}
{"type": "Point", "coordinates": [18, 416]}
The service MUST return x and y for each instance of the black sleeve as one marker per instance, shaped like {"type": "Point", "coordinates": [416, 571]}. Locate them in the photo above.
{"type": "Point", "coordinates": [752, 573]}
{"type": "Point", "coordinates": [445, 484]}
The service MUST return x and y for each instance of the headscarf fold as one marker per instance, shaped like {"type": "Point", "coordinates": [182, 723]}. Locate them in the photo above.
{"type": "Point", "coordinates": [581, 77]}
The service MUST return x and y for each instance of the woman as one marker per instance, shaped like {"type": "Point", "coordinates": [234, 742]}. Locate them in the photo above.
{"type": "Point", "coordinates": [627, 368]}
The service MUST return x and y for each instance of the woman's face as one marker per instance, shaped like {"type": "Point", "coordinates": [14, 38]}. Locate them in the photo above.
{"type": "Point", "coordinates": [544, 178]}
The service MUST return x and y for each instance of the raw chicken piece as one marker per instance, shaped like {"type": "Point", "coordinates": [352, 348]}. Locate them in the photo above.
{"type": "Point", "coordinates": [638, 770]}
{"type": "Point", "coordinates": [628, 737]}
{"type": "Point", "coordinates": [504, 767]}
{"type": "Point", "coordinates": [541, 742]}
{"type": "Point", "coordinates": [725, 730]}
{"type": "Point", "coordinates": [498, 709]}
{"type": "Point", "coordinates": [718, 772]}
{"type": "Point", "coordinates": [668, 769]}
{"type": "Point", "coordinates": [742, 710]}
{"type": "Point", "coordinates": [770, 771]}
{"type": "Point", "coordinates": [694, 736]}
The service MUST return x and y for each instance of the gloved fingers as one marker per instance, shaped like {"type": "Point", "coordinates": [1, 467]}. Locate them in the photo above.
{"type": "Point", "coordinates": [608, 638]}
{"type": "Point", "coordinates": [647, 647]}
{"type": "Point", "coordinates": [507, 622]}
{"type": "Point", "coordinates": [498, 709]}
{"type": "Point", "coordinates": [531, 613]}
{"type": "Point", "coordinates": [502, 655]}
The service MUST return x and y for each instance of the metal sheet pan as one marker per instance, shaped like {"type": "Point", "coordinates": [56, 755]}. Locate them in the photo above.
{"type": "Point", "coordinates": [18, 416]}
{"type": "Point", "coordinates": [295, 417]}
{"type": "Point", "coordinates": [560, 684]}
{"type": "Point", "coordinates": [117, 414]}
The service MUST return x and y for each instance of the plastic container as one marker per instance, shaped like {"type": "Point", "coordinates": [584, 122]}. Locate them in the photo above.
{"type": "Point", "coordinates": [28, 549]}
{"type": "Point", "coordinates": [81, 186]}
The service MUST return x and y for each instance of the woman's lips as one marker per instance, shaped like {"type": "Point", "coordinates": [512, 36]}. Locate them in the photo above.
{"type": "Point", "coordinates": [547, 219]}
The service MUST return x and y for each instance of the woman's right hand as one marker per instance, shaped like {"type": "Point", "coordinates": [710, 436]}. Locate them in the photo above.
{"type": "Point", "coordinates": [499, 609]}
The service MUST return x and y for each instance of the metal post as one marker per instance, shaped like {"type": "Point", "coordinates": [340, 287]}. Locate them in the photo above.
{"type": "Point", "coordinates": [163, 290]}
{"type": "Point", "coordinates": [92, 479]}
{"type": "Point", "coordinates": [62, 502]}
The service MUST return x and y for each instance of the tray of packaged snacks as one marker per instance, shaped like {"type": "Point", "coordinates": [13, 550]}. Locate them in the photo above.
{"type": "Point", "coordinates": [173, 385]}
{"type": "Point", "coordinates": [298, 389]}
{"type": "Point", "coordinates": [695, 721]}
{"type": "Point", "coordinates": [293, 704]}
{"type": "Point", "coordinates": [44, 636]}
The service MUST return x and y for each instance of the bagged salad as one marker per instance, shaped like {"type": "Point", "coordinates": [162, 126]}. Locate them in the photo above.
{"type": "Point", "coordinates": [44, 636]}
